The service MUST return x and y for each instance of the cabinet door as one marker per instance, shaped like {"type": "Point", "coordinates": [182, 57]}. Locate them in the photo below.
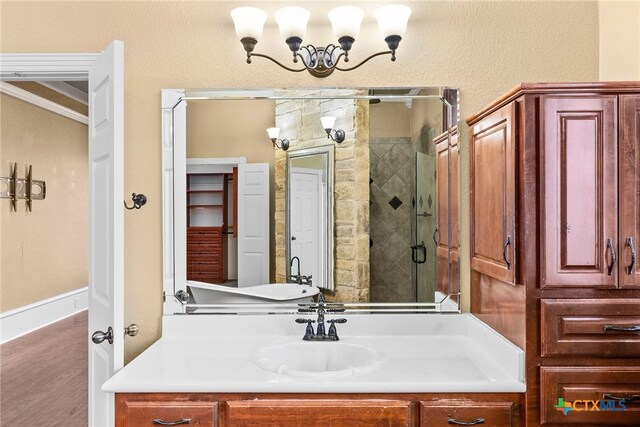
{"type": "Point", "coordinates": [493, 171]}
{"type": "Point", "coordinates": [579, 143]}
{"type": "Point", "coordinates": [629, 172]}
{"type": "Point", "coordinates": [321, 412]}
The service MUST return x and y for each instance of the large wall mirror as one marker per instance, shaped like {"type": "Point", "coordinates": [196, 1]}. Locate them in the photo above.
{"type": "Point", "coordinates": [353, 195]}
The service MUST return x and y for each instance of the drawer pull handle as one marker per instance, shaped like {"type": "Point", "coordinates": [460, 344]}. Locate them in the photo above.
{"type": "Point", "coordinates": [159, 422]}
{"type": "Point", "coordinates": [466, 423]}
{"type": "Point", "coordinates": [633, 255]}
{"type": "Point", "coordinates": [504, 253]}
{"type": "Point", "coordinates": [613, 397]}
{"type": "Point", "coordinates": [612, 254]}
{"type": "Point", "coordinates": [635, 328]}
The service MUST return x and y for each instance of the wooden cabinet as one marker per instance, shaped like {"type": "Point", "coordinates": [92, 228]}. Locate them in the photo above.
{"type": "Point", "coordinates": [576, 172]}
{"type": "Point", "coordinates": [466, 413]}
{"type": "Point", "coordinates": [597, 396]}
{"type": "Point", "coordinates": [319, 409]}
{"type": "Point", "coordinates": [318, 412]}
{"type": "Point", "coordinates": [492, 182]}
{"type": "Point", "coordinates": [447, 201]}
{"type": "Point", "coordinates": [158, 413]}
{"type": "Point", "coordinates": [580, 190]}
{"type": "Point", "coordinates": [629, 183]}
{"type": "Point", "coordinates": [207, 224]}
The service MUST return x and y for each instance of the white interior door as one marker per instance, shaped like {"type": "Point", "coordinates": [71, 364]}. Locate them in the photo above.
{"type": "Point", "coordinates": [305, 236]}
{"type": "Point", "coordinates": [253, 224]}
{"type": "Point", "coordinates": [106, 228]}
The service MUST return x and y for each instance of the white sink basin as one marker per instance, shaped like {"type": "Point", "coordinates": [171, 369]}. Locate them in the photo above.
{"type": "Point", "coordinates": [318, 359]}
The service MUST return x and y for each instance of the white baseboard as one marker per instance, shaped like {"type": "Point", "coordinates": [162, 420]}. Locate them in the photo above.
{"type": "Point", "coordinates": [20, 321]}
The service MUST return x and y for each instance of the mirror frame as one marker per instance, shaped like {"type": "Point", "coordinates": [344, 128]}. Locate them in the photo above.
{"type": "Point", "coordinates": [329, 150]}
{"type": "Point", "coordinates": [174, 146]}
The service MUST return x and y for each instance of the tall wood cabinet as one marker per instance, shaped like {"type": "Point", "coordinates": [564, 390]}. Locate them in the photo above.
{"type": "Point", "coordinates": [447, 151]}
{"type": "Point", "coordinates": [555, 223]}
{"type": "Point", "coordinates": [207, 225]}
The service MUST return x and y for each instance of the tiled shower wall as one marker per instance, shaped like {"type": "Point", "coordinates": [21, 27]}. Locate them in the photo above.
{"type": "Point", "coordinates": [391, 190]}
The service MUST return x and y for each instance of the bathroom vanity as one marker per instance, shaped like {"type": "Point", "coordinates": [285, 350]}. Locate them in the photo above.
{"type": "Point", "coordinates": [386, 369]}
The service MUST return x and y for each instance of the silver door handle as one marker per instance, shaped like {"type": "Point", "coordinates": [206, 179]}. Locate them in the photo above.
{"type": "Point", "coordinates": [99, 336]}
{"type": "Point", "coordinates": [293, 237]}
{"type": "Point", "coordinates": [132, 330]}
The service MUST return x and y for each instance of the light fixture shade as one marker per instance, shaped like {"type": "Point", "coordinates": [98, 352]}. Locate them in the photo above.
{"type": "Point", "coordinates": [273, 133]}
{"type": "Point", "coordinates": [292, 21]}
{"type": "Point", "coordinates": [328, 122]}
{"type": "Point", "coordinates": [249, 21]}
{"type": "Point", "coordinates": [392, 19]}
{"type": "Point", "coordinates": [346, 21]}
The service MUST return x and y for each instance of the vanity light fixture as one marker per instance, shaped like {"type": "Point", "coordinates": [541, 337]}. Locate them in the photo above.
{"type": "Point", "coordinates": [282, 144]}
{"type": "Point", "coordinates": [335, 134]}
{"type": "Point", "coordinates": [320, 61]}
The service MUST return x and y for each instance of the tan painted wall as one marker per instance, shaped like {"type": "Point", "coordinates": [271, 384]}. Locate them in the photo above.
{"type": "Point", "coordinates": [389, 119]}
{"type": "Point", "coordinates": [44, 252]}
{"type": "Point", "coordinates": [619, 40]}
{"type": "Point", "coordinates": [233, 128]}
{"type": "Point", "coordinates": [482, 47]}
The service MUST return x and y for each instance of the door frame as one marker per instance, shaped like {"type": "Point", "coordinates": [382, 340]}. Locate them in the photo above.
{"type": "Point", "coordinates": [49, 67]}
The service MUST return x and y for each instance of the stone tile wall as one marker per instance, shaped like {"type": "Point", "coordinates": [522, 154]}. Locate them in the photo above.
{"type": "Point", "coordinates": [299, 121]}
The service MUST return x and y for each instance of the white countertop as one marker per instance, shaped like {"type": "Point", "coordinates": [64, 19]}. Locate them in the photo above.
{"type": "Point", "coordinates": [417, 353]}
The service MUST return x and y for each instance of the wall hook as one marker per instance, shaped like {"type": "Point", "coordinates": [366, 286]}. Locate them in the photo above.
{"type": "Point", "coordinates": [138, 201]}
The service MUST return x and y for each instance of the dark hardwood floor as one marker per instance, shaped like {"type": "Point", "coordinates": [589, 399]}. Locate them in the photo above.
{"type": "Point", "coordinates": [43, 376]}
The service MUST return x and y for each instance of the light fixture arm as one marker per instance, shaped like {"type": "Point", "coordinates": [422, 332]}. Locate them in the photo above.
{"type": "Point", "coordinates": [284, 144]}
{"type": "Point", "coordinates": [336, 135]}
{"type": "Point", "coordinates": [320, 62]}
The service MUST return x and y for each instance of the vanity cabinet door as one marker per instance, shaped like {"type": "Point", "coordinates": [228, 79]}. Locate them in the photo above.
{"type": "Point", "coordinates": [493, 198]}
{"type": "Point", "coordinates": [320, 412]}
{"type": "Point", "coordinates": [443, 413]}
{"type": "Point", "coordinates": [157, 413]}
{"type": "Point", "coordinates": [580, 201]}
{"type": "Point", "coordinates": [629, 181]}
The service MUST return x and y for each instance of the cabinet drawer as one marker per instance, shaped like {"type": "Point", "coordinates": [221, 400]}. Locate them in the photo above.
{"type": "Point", "coordinates": [204, 232]}
{"type": "Point", "coordinates": [204, 246]}
{"type": "Point", "coordinates": [321, 412]}
{"type": "Point", "coordinates": [584, 327]}
{"type": "Point", "coordinates": [594, 394]}
{"type": "Point", "coordinates": [153, 414]}
{"type": "Point", "coordinates": [204, 256]}
{"type": "Point", "coordinates": [463, 412]}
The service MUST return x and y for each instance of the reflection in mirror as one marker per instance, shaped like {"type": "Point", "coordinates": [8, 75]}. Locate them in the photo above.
{"type": "Point", "coordinates": [309, 216]}
{"type": "Point", "coordinates": [372, 219]}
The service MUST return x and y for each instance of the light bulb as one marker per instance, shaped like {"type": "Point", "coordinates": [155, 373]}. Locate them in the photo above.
{"type": "Point", "coordinates": [328, 122]}
{"type": "Point", "coordinates": [392, 19]}
{"type": "Point", "coordinates": [273, 133]}
{"type": "Point", "coordinates": [346, 21]}
{"type": "Point", "coordinates": [292, 21]}
{"type": "Point", "coordinates": [249, 21]}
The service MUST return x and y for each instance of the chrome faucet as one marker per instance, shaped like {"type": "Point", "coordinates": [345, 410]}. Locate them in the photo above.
{"type": "Point", "coordinates": [298, 278]}
{"type": "Point", "coordinates": [320, 334]}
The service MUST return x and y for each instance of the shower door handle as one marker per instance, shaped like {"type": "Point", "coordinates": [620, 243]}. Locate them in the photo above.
{"type": "Point", "coordinates": [414, 253]}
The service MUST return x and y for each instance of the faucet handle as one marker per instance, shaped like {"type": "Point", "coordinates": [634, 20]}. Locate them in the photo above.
{"type": "Point", "coordinates": [341, 320]}
{"type": "Point", "coordinates": [308, 333]}
{"type": "Point", "coordinates": [305, 320]}
{"type": "Point", "coordinates": [306, 310]}
{"type": "Point", "coordinates": [333, 332]}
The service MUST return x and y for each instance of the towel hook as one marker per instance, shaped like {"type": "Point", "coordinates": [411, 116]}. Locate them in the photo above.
{"type": "Point", "coordinates": [138, 201]}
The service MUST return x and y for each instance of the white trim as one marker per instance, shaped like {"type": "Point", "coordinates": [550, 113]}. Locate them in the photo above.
{"type": "Point", "coordinates": [41, 102]}
{"type": "Point", "coordinates": [67, 90]}
{"type": "Point", "coordinates": [47, 66]}
{"type": "Point", "coordinates": [214, 164]}
{"type": "Point", "coordinates": [23, 320]}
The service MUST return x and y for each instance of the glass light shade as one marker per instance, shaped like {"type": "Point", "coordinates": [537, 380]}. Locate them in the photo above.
{"type": "Point", "coordinates": [392, 19]}
{"type": "Point", "coordinates": [328, 122]}
{"type": "Point", "coordinates": [273, 133]}
{"type": "Point", "coordinates": [346, 21]}
{"type": "Point", "coordinates": [292, 21]}
{"type": "Point", "coordinates": [249, 21]}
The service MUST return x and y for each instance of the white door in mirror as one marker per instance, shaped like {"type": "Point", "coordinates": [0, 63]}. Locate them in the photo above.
{"type": "Point", "coordinates": [306, 204]}
{"type": "Point", "coordinates": [253, 224]}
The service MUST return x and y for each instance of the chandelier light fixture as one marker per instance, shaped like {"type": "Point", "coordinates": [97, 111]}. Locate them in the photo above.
{"type": "Point", "coordinates": [320, 61]}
